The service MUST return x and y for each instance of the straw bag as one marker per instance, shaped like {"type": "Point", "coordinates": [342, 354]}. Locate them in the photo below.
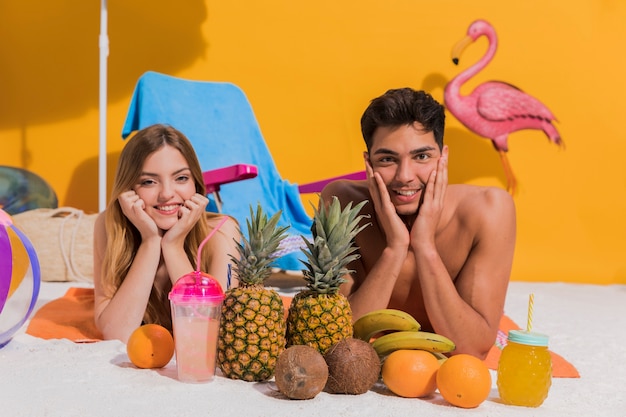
{"type": "Point", "coordinates": [63, 240]}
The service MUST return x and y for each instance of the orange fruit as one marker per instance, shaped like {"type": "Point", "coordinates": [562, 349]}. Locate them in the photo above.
{"type": "Point", "coordinates": [410, 373]}
{"type": "Point", "coordinates": [150, 346]}
{"type": "Point", "coordinates": [464, 380]}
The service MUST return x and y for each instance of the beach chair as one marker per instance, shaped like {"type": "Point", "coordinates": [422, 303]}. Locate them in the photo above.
{"type": "Point", "coordinates": [219, 121]}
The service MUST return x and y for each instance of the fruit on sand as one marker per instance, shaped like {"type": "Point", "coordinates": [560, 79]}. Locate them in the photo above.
{"type": "Point", "coordinates": [384, 320]}
{"type": "Point", "coordinates": [301, 372]}
{"type": "Point", "coordinates": [432, 342]}
{"type": "Point", "coordinates": [252, 325]}
{"type": "Point", "coordinates": [320, 315]}
{"type": "Point", "coordinates": [353, 367]}
{"type": "Point", "coordinates": [410, 373]}
{"type": "Point", "coordinates": [464, 381]}
{"type": "Point", "coordinates": [150, 346]}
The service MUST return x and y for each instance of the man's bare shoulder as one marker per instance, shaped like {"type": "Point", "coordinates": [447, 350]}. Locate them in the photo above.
{"type": "Point", "coordinates": [346, 190]}
{"type": "Point", "coordinates": [472, 202]}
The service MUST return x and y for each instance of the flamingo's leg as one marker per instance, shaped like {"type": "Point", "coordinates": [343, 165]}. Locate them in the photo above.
{"type": "Point", "coordinates": [511, 181]}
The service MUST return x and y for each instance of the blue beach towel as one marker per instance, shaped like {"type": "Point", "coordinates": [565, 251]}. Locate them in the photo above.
{"type": "Point", "coordinates": [220, 123]}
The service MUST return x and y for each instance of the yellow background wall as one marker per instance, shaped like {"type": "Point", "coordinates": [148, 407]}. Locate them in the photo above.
{"type": "Point", "coordinates": [309, 70]}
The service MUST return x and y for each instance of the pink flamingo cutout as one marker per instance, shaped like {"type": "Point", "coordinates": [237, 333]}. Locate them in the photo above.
{"type": "Point", "coordinates": [495, 109]}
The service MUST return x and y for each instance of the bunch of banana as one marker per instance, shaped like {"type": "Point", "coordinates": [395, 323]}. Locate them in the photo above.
{"type": "Point", "coordinates": [431, 342]}
{"type": "Point", "coordinates": [384, 320]}
{"type": "Point", "coordinates": [404, 333]}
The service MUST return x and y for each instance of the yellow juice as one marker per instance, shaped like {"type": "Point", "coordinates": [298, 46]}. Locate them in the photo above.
{"type": "Point", "coordinates": [196, 345]}
{"type": "Point", "coordinates": [525, 369]}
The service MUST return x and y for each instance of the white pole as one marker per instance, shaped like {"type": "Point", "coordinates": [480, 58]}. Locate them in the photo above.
{"type": "Point", "coordinates": [102, 154]}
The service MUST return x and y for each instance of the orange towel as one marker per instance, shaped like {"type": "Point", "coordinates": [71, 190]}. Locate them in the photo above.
{"type": "Point", "coordinates": [71, 317]}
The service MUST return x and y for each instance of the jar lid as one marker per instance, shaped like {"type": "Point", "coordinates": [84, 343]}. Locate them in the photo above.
{"type": "Point", "coordinates": [528, 338]}
{"type": "Point", "coordinates": [196, 288]}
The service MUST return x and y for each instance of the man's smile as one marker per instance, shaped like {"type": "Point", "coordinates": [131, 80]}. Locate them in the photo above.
{"type": "Point", "coordinates": [406, 193]}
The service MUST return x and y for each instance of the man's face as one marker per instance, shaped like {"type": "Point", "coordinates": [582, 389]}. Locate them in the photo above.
{"type": "Point", "coordinates": [404, 157]}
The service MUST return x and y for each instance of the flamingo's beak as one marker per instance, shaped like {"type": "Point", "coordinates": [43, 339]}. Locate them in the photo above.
{"type": "Point", "coordinates": [458, 49]}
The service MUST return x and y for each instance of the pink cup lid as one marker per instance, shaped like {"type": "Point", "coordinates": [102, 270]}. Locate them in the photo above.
{"type": "Point", "coordinates": [196, 288]}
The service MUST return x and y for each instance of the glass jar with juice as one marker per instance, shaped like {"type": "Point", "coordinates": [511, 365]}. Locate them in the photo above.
{"type": "Point", "coordinates": [525, 369]}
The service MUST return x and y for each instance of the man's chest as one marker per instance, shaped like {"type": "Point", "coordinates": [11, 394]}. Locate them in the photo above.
{"type": "Point", "coordinates": [453, 247]}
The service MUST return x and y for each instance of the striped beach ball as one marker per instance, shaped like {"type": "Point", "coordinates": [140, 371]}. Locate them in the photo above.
{"type": "Point", "coordinates": [20, 278]}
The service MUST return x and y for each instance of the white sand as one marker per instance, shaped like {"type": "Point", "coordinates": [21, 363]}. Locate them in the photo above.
{"type": "Point", "coordinates": [586, 325]}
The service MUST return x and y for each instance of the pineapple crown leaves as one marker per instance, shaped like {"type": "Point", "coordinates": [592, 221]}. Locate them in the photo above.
{"type": "Point", "coordinates": [258, 252]}
{"type": "Point", "coordinates": [332, 248]}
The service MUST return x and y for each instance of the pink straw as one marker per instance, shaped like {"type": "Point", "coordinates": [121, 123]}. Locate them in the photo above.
{"type": "Point", "coordinates": [206, 239]}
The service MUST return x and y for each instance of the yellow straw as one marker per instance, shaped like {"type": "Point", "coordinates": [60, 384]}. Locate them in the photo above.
{"type": "Point", "coordinates": [529, 323]}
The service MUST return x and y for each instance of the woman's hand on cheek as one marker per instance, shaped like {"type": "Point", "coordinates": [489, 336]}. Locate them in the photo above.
{"type": "Point", "coordinates": [193, 209]}
{"type": "Point", "coordinates": [134, 208]}
{"type": "Point", "coordinates": [189, 214]}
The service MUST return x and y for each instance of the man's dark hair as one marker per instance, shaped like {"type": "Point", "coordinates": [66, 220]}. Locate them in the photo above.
{"type": "Point", "coordinates": [403, 106]}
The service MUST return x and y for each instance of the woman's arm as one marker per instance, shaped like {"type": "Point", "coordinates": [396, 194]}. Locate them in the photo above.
{"type": "Point", "coordinates": [118, 313]}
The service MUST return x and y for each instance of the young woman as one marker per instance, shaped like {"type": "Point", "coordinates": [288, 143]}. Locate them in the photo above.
{"type": "Point", "coordinates": [149, 234]}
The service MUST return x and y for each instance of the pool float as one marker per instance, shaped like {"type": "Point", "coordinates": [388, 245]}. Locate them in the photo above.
{"type": "Point", "coordinates": [22, 190]}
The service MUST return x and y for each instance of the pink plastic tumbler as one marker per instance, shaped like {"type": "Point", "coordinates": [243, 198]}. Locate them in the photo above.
{"type": "Point", "coordinates": [196, 301]}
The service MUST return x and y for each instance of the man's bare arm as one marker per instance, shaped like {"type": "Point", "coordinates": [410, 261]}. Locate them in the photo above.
{"type": "Point", "coordinates": [370, 290]}
{"type": "Point", "coordinates": [468, 309]}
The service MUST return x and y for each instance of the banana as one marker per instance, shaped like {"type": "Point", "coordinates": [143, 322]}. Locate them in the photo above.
{"type": "Point", "coordinates": [383, 320]}
{"type": "Point", "coordinates": [431, 342]}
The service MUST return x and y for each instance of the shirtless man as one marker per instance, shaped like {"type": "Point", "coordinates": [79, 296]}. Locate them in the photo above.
{"type": "Point", "coordinates": [440, 252]}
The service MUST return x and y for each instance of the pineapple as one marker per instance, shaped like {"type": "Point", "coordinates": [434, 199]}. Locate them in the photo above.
{"type": "Point", "coordinates": [320, 316]}
{"type": "Point", "coordinates": [252, 326]}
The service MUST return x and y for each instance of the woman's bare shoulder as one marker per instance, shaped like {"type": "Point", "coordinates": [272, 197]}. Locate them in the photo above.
{"type": "Point", "coordinates": [100, 240]}
{"type": "Point", "coordinates": [99, 228]}
{"type": "Point", "coordinates": [230, 227]}
{"type": "Point", "coordinates": [101, 216]}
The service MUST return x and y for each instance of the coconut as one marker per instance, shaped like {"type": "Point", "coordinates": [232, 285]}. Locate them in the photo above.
{"type": "Point", "coordinates": [353, 367]}
{"type": "Point", "coordinates": [301, 372]}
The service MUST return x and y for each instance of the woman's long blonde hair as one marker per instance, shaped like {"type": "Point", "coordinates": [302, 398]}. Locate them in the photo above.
{"type": "Point", "coordinates": [123, 238]}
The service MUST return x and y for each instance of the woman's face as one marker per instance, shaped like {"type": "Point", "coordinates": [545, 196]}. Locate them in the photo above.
{"type": "Point", "coordinates": [164, 185]}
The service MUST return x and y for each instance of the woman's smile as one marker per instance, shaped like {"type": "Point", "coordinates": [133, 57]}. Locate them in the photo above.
{"type": "Point", "coordinates": [168, 209]}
